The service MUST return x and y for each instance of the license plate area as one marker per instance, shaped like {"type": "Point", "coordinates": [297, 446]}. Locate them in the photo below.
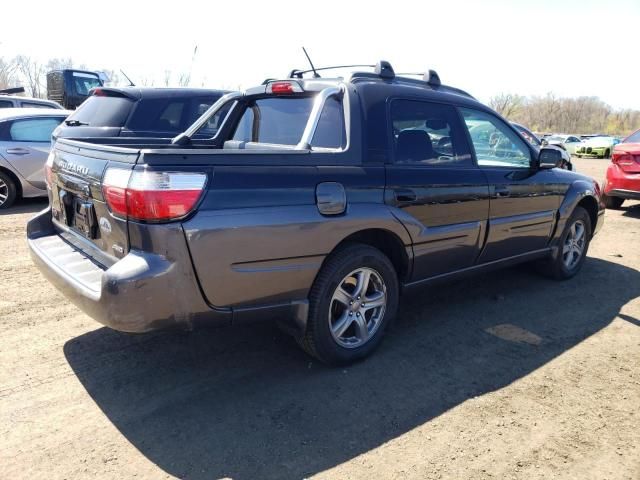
{"type": "Point", "coordinates": [77, 213]}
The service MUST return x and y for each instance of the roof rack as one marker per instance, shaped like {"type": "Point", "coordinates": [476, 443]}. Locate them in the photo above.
{"type": "Point", "coordinates": [384, 70]}
{"type": "Point", "coordinates": [12, 91]}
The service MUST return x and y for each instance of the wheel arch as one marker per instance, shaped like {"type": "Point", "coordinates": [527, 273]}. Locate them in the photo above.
{"type": "Point", "coordinates": [590, 204]}
{"type": "Point", "coordinates": [387, 242]}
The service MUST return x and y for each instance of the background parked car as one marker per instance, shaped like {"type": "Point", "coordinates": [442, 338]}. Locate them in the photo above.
{"type": "Point", "coordinates": [623, 174]}
{"type": "Point", "coordinates": [71, 87]}
{"type": "Point", "coordinates": [568, 142]}
{"type": "Point", "coordinates": [139, 112]}
{"type": "Point", "coordinates": [9, 100]}
{"type": "Point", "coordinates": [600, 147]}
{"type": "Point", "coordinates": [25, 141]}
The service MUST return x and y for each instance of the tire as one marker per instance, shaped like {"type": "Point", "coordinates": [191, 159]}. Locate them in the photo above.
{"type": "Point", "coordinates": [579, 156]}
{"type": "Point", "coordinates": [607, 153]}
{"type": "Point", "coordinates": [559, 267]}
{"type": "Point", "coordinates": [612, 203]}
{"type": "Point", "coordinates": [7, 191]}
{"type": "Point", "coordinates": [336, 285]}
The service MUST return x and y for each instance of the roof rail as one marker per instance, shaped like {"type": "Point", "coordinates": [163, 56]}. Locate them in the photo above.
{"type": "Point", "coordinates": [295, 73]}
{"type": "Point", "coordinates": [12, 91]}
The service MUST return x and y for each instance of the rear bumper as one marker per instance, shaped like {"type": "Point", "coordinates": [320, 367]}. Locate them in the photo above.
{"type": "Point", "coordinates": [622, 184]}
{"type": "Point", "coordinates": [139, 293]}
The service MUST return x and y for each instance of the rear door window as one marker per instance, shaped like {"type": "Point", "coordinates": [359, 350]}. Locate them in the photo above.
{"type": "Point", "coordinates": [428, 134]}
{"type": "Point", "coordinates": [6, 104]}
{"type": "Point", "coordinates": [33, 129]}
{"type": "Point", "coordinates": [99, 111]}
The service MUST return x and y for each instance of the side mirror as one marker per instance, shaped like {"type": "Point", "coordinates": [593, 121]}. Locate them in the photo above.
{"type": "Point", "coordinates": [549, 158]}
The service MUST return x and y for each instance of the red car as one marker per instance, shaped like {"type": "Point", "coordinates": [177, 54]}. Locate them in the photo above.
{"type": "Point", "coordinates": [623, 174]}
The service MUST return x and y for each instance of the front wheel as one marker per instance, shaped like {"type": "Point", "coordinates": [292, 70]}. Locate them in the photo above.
{"type": "Point", "coordinates": [572, 249]}
{"type": "Point", "coordinates": [607, 153]}
{"type": "Point", "coordinates": [351, 303]}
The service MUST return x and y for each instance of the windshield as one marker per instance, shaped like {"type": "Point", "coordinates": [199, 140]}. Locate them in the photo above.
{"type": "Point", "coordinates": [633, 138]}
{"type": "Point", "coordinates": [85, 82]}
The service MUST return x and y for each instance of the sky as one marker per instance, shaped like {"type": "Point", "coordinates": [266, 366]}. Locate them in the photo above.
{"type": "Point", "coordinates": [486, 47]}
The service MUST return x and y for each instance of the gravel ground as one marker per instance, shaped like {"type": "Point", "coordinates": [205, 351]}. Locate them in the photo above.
{"type": "Point", "coordinates": [505, 375]}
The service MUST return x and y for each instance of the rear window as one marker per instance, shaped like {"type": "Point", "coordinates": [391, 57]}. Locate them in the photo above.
{"type": "Point", "coordinates": [103, 111]}
{"type": "Point", "coordinates": [172, 115]}
{"type": "Point", "coordinates": [282, 121]}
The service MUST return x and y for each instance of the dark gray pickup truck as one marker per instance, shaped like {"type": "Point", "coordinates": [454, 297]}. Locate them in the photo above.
{"type": "Point", "coordinates": [317, 202]}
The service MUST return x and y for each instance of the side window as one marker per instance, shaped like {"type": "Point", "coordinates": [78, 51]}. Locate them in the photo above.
{"type": "Point", "coordinates": [330, 132]}
{"type": "Point", "coordinates": [428, 134]}
{"type": "Point", "coordinates": [6, 104]}
{"type": "Point", "coordinates": [33, 130]}
{"type": "Point", "coordinates": [496, 145]}
{"type": "Point", "coordinates": [35, 105]}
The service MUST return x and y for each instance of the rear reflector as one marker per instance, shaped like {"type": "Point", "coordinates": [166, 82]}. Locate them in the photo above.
{"type": "Point", "coordinates": [152, 196]}
{"type": "Point", "coordinates": [284, 88]}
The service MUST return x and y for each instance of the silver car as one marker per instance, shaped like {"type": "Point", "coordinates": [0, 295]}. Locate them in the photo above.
{"type": "Point", "coordinates": [25, 140]}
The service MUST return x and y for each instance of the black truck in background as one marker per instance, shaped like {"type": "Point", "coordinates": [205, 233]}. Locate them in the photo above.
{"type": "Point", "coordinates": [70, 87]}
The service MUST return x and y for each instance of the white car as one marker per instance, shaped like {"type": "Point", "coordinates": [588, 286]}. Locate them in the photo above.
{"type": "Point", "coordinates": [569, 142]}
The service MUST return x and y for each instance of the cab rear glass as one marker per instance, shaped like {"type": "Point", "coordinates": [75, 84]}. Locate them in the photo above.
{"type": "Point", "coordinates": [282, 120]}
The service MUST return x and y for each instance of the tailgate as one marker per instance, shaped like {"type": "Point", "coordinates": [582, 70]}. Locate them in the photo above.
{"type": "Point", "coordinates": [79, 211]}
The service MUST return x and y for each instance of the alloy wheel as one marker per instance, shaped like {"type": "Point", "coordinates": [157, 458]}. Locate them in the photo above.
{"type": "Point", "coordinates": [357, 307]}
{"type": "Point", "coordinates": [4, 191]}
{"type": "Point", "coordinates": [574, 244]}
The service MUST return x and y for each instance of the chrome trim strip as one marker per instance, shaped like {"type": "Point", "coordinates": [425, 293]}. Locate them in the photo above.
{"type": "Point", "coordinates": [204, 118]}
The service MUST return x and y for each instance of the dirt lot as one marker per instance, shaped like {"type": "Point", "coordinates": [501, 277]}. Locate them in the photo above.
{"type": "Point", "coordinates": [506, 375]}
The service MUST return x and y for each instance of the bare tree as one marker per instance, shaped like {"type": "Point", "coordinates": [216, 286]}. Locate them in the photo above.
{"type": "Point", "coordinates": [507, 104]}
{"type": "Point", "coordinates": [32, 74]}
{"type": "Point", "coordinates": [7, 73]}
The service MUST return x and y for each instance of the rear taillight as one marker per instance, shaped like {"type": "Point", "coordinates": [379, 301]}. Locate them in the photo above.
{"type": "Point", "coordinates": [48, 172]}
{"type": "Point", "coordinates": [150, 195]}
{"type": "Point", "coordinates": [623, 159]}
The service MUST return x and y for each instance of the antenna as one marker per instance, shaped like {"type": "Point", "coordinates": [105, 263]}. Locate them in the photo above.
{"type": "Point", "coordinates": [313, 69]}
{"type": "Point", "coordinates": [131, 84]}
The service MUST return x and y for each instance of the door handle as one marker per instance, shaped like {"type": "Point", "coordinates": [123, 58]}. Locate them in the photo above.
{"type": "Point", "coordinates": [18, 151]}
{"type": "Point", "coordinates": [502, 192]}
{"type": "Point", "coordinates": [405, 195]}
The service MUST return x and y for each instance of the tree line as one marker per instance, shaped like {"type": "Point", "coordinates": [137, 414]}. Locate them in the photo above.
{"type": "Point", "coordinates": [553, 114]}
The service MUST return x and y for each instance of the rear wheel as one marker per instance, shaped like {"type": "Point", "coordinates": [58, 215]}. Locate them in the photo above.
{"type": "Point", "coordinates": [572, 249]}
{"type": "Point", "coordinates": [607, 153]}
{"type": "Point", "coordinates": [7, 190]}
{"type": "Point", "coordinates": [351, 303]}
{"type": "Point", "coordinates": [612, 203]}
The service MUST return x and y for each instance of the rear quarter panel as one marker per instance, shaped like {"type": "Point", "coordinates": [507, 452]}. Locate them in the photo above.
{"type": "Point", "coordinates": [259, 238]}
